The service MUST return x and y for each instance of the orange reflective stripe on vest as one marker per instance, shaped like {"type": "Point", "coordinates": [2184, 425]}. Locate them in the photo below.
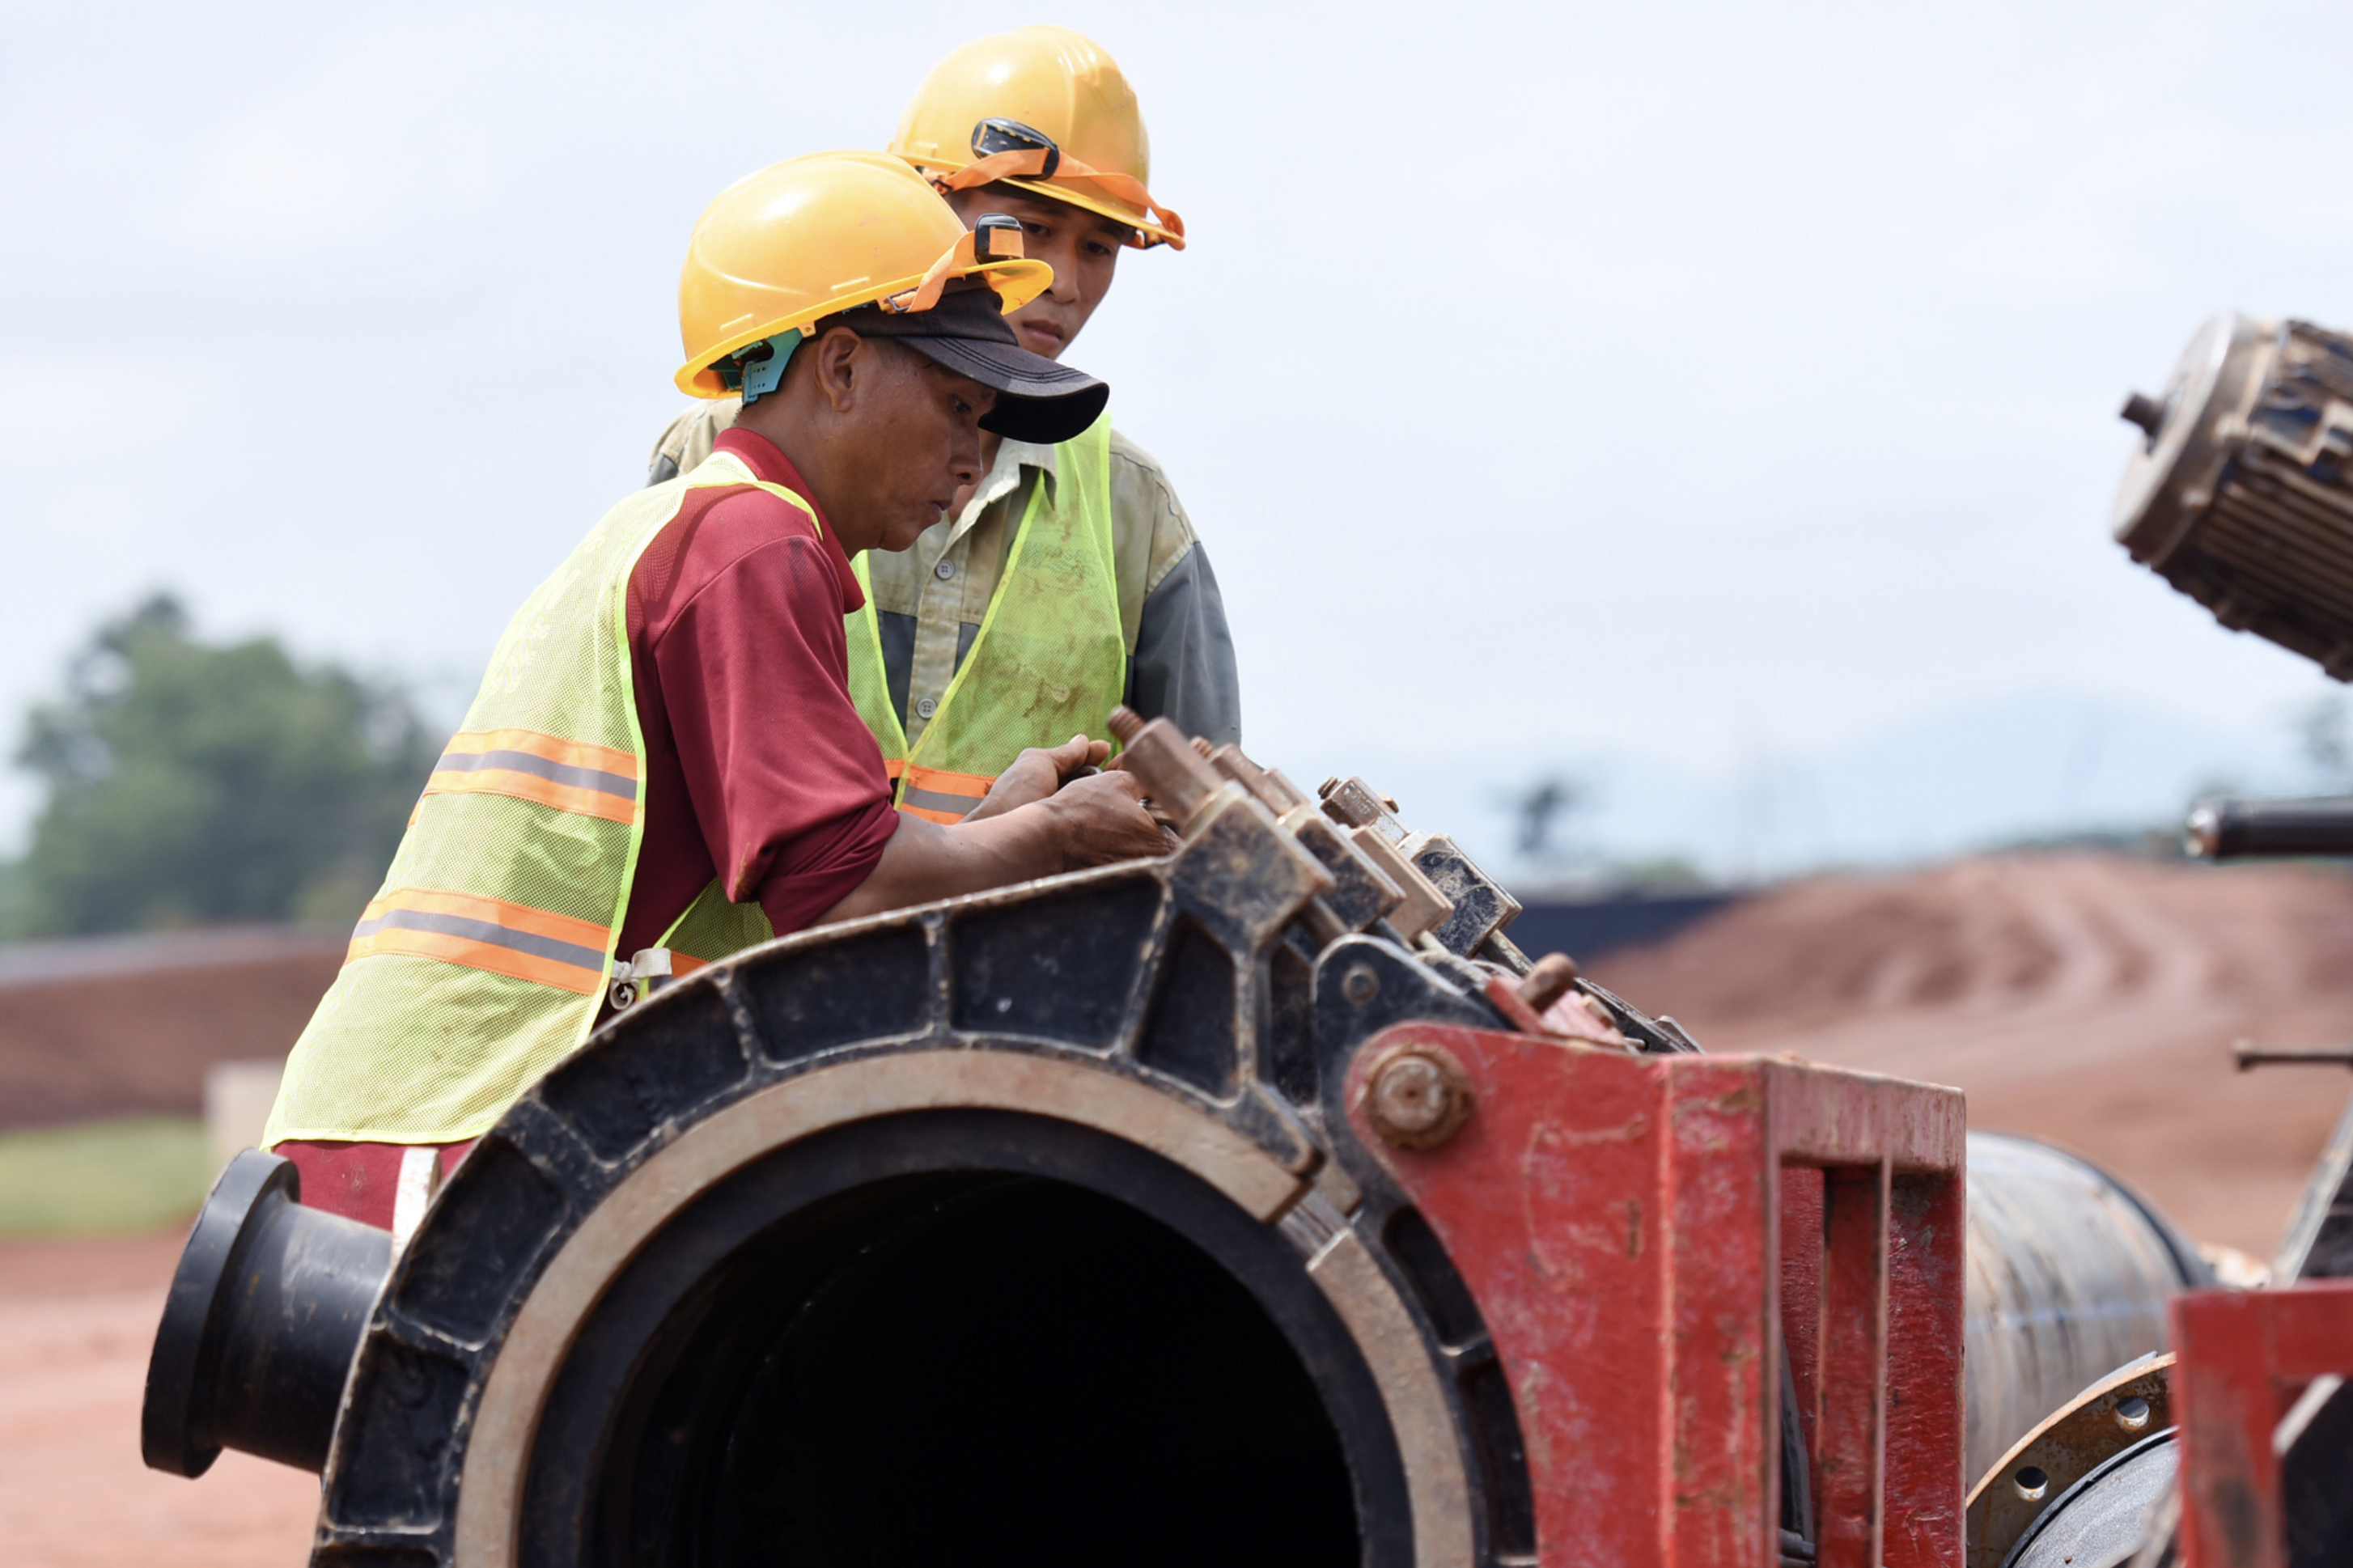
{"type": "Point", "coordinates": [486, 933]}
{"type": "Point", "coordinates": [593, 781]}
{"type": "Point", "coordinates": [937, 796]}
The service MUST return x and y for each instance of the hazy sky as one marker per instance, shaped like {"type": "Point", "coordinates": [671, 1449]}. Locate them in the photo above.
{"type": "Point", "coordinates": [1682, 380]}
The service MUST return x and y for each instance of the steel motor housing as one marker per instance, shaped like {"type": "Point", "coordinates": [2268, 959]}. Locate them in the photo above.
{"type": "Point", "coordinates": [2240, 494]}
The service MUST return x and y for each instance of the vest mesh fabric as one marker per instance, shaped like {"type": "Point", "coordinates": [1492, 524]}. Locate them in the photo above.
{"type": "Point", "coordinates": [714, 926]}
{"type": "Point", "coordinates": [1049, 660]}
{"type": "Point", "coordinates": [408, 1047]}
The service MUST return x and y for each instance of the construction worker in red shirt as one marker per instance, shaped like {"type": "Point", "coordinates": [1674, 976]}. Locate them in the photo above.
{"type": "Point", "coordinates": [666, 763]}
{"type": "Point", "coordinates": [1068, 579]}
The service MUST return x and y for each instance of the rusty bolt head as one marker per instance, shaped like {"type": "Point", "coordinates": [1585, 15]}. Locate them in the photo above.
{"type": "Point", "coordinates": [1549, 980]}
{"type": "Point", "coordinates": [1417, 1098]}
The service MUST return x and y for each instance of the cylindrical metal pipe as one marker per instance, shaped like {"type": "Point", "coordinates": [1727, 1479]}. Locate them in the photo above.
{"type": "Point", "coordinates": [2069, 1272]}
{"type": "Point", "coordinates": [2224, 829]}
{"type": "Point", "coordinates": [259, 1328]}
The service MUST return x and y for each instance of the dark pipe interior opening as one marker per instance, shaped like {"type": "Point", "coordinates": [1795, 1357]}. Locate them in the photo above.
{"type": "Point", "coordinates": [968, 1367]}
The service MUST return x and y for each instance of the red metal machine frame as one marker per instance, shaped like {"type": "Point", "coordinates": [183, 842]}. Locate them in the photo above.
{"type": "Point", "coordinates": [1641, 1232]}
{"type": "Point", "coordinates": [2240, 1358]}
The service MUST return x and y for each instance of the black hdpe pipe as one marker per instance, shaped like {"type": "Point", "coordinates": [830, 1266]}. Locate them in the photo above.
{"type": "Point", "coordinates": [2226, 829]}
{"type": "Point", "coordinates": [260, 1329]}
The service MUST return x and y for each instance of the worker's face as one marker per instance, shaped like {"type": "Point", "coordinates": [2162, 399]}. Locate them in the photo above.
{"type": "Point", "coordinates": [1082, 247]}
{"type": "Point", "coordinates": [914, 441]}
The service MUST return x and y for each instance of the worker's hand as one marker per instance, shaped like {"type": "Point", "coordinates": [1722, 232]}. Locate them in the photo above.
{"type": "Point", "coordinates": [1039, 772]}
{"type": "Point", "coordinates": [1101, 818]}
{"type": "Point", "coordinates": [1172, 840]}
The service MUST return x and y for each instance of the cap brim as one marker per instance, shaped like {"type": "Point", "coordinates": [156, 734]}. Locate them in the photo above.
{"type": "Point", "coordinates": [1036, 399]}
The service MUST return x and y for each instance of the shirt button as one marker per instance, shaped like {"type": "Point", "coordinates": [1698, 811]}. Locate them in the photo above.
{"type": "Point", "coordinates": [926, 708]}
{"type": "Point", "coordinates": [945, 569]}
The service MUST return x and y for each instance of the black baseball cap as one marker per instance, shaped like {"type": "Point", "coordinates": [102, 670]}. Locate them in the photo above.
{"type": "Point", "coordinates": [1037, 398]}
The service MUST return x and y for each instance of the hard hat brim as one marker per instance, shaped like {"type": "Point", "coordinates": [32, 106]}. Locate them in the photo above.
{"type": "Point", "coordinates": [1151, 233]}
{"type": "Point", "coordinates": [1103, 207]}
{"type": "Point", "coordinates": [1016, 282]}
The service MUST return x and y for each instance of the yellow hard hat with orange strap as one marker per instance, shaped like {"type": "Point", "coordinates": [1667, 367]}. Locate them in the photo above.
{"type": "Point", "coordinates": [800, 240]}
{"type": "Point", "coordinates": [1047, 110]}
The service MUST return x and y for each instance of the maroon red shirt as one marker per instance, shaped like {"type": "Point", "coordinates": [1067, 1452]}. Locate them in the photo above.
{"type": "Point", "coordinates": [758, 769]}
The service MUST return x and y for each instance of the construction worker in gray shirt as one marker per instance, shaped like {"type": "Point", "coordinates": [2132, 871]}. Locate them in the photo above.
{"type": "Point", "coordinates": [1069, 579]}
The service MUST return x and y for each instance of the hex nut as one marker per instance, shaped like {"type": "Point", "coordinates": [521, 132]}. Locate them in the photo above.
{"type": "Point", "coordinates": [1418, 1097]}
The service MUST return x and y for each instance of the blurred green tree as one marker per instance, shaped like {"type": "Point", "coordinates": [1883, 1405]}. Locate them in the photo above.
{"type": "Point", "coordinates": [190, 783]}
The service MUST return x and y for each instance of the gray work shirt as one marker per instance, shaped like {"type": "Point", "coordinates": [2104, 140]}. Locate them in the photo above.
{"type": "Point", "coordinates": [929, 600]}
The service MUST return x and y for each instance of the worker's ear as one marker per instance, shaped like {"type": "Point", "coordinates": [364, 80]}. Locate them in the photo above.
{"type": "Point", "coordinates": [841, 358]}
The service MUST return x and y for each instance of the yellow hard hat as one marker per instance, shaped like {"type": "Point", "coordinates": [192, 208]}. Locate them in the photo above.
{"type": "Point", "coordinates": [809, 236]}
{"type": "Point", "coordinates": [1044, 109]}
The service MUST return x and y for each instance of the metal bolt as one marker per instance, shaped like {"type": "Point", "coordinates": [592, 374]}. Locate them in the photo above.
{"type": "Point", "coordinates": [2145, 412]}
{"type": "Point", "coordinates": [2132, 1412]}
{"type": "Point", "coordinates": [1360, 984]}
{"type": "Point", "coordinates": [1417, 1098]}
{"type": "Point", "coordinates": [1549, 980]}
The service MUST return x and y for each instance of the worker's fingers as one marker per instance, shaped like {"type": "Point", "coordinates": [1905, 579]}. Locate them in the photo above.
{"type": "Point", "coordinates": [1107, 785]}
{"type": "Point", "coordinates": [1106, 819]}
{"type": "Point", "coordinates": [1034, 775]}
{"type": "Point", "coordinates": [1077, 754]}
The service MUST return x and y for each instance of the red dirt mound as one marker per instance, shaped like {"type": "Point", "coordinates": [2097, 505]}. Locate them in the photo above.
{"type": "Point", "coordinates": [2087, 999]}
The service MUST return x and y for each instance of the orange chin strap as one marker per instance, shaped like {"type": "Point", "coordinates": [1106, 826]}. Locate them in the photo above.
{"type": "Point", "coordinates": [958, 259]}
{"type": "Point", "coordinates": [1030, 163]}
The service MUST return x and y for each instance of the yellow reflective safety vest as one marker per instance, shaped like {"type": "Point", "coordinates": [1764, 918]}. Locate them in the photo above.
{"type": "Point", "coordinates": [1049, 660]}
{"type": "Point", "coordinates": [482, 960]}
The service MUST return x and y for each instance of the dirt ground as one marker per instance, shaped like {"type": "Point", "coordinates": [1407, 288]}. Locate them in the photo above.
{"type": "Point", "coordinates": [76, 1320]}
{"type": "Point", "coordinates": [2086, 999]}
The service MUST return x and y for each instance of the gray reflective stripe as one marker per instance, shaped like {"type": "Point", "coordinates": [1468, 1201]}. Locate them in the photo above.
{"type": "Point", "coordinates": [547, 947]}
{"type": "Point", "coordinates": [554, 773]}
{"type": "Point", "coordinates": [933, 800]}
